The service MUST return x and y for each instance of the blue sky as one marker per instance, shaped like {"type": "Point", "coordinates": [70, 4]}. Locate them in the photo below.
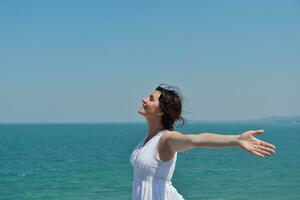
{"type": "Point", "coordinates": [93, 61]}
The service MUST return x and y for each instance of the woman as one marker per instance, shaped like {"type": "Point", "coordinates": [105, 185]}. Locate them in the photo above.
{"type": "Point", "coordinates": [154, 158]}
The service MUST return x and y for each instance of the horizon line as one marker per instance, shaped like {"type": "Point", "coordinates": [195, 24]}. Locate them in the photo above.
{"type": "Point", "coordinates": [144, 121]}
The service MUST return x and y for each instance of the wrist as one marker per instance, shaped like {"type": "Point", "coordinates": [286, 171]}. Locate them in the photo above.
{"type": "Point", "coordinates": [233, 140]}
{"type": "Point", "coordinates": [237, 139]}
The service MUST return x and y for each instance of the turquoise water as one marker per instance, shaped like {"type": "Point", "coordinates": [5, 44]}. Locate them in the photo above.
{"type": "Point", "coordinates": [91, 161]}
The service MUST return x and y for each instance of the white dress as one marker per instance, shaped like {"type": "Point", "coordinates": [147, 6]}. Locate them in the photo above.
{"type": "Point", "coordinates": [152, 176]}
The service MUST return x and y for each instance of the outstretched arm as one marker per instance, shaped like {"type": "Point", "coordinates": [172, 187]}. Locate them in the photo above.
{"type": "Point", "coordinates": [178, 142]}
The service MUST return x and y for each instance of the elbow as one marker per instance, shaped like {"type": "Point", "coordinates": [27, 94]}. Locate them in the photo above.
{"type": "Point", "coordinates": [194, 140]}
{"type": "Point", "coordinates": [197, 140]}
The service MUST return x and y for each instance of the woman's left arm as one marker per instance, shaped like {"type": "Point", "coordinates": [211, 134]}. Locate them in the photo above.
{"type": "Point", "coordinates": [178, 142]}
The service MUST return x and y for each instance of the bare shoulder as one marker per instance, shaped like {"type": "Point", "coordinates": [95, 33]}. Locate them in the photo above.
{"type": "Point", "coordinates": [169, 134]}
{"type": "Point", "coordinates": [163, 141]}
{"type": "Point", "coordinates": [173, 135]}
{"type": "Point", "coordinates": [176, 141]}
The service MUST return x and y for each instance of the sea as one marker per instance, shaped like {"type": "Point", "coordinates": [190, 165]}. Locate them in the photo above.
{"type": "Point", "coordinates": [75, 161]}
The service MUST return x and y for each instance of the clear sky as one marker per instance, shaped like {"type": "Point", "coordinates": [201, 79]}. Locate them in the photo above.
{"type": "Point", "coordinates": [93, 61]}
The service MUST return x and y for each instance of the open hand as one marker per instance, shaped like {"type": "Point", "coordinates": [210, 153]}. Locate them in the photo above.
{"type": "Point", "coordinates": [255, 146]}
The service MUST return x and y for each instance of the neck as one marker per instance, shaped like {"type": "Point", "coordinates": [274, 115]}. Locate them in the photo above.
{"type": "Point", "coordinates": [154, 126]}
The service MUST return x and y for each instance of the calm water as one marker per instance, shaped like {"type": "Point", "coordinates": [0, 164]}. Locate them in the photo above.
{"type": "Point", "coordinates": [91, 161]}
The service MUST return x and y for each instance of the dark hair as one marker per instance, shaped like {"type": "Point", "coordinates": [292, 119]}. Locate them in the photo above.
{"type": "Point", "coordinates": [170, 102]}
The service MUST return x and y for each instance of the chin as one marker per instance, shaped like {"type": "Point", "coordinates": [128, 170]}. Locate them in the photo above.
{"type": "Point", "coordinates": [140, 112]}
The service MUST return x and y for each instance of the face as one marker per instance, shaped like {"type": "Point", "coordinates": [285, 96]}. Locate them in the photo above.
{"type": "Point", "coordinates": [150, 105]}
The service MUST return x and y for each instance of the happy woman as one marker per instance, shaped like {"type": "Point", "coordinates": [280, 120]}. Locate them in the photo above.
{"type": "Point", "coordinates": [154, 158]}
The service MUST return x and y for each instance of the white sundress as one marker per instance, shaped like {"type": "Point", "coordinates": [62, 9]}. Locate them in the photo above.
{"type": "Point", "coordinates": [152, 176]}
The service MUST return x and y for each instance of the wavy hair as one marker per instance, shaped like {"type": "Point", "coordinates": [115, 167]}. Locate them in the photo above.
{"type": "Point", "coordinates": [170, 102]}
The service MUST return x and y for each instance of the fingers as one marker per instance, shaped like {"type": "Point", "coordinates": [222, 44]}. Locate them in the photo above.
{"type": "Point", "coordinates": [268, 145]}
{"type": "Point", "coordinates": [257, 153]}
{"type": "Point", "coordinates": [263, 152]}
{"type": "Point", "coordinates": [269, 150]}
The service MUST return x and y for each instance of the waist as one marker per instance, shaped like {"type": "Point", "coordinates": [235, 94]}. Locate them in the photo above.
{"type": "Point", "coordinates": [140, 174]}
